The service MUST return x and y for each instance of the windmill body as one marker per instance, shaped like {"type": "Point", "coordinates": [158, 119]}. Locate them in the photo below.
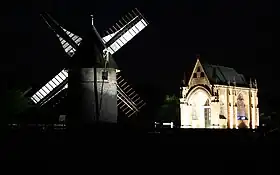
{"type": "Point", "coordinates": [92, 85]}
{"type": "Point", "coordinates": [81, 94]}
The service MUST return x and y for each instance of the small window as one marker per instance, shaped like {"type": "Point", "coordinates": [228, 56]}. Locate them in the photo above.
{"type": "Point", "coordinates": [194, 75]}
{"type": "Point", "coordinates": [202, 74]}
{"type": "Point", "coordinates": [198, 69]}
{"type": "Point", "coordinates": [105, 75]}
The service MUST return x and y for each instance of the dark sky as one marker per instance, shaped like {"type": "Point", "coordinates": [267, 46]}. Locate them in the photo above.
{"type": "Point", "coordinates": [237, 34]}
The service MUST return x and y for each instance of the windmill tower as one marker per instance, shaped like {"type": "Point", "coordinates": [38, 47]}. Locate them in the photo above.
{"type": "Point", "coordinates": [113, 90]}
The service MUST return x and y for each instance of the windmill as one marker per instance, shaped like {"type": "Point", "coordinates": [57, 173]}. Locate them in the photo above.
{"type": "Point", "coordinates": [127, 100]}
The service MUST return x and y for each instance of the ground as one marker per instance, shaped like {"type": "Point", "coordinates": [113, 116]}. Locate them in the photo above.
{"type": "Point", "coordinates": [34, 144]}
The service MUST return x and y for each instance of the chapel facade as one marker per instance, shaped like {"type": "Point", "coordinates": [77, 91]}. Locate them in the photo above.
{"type": "Point", "coordinates": [218, 97]}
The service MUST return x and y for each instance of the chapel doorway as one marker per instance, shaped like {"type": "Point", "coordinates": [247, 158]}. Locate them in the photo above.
{"type": "Point", "coordinates": [207, 114]}
{"type": "Point", "coordinates": [200, 109]}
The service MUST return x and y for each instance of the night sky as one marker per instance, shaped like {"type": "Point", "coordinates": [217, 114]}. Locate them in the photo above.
{"type": "Point", "coordinates": [236, 34]}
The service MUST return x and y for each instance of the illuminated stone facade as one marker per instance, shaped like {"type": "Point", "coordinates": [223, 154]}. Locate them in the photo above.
{"type": "Point", "coordinates": [218, 97]}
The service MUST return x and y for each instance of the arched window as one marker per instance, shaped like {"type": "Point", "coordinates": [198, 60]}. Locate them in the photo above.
{"type": "Point", "coordinates": [241, 110]}
{"type": "Point", "coordinates": [200, 108]}
{"type": "Point", "coordinates": [194, 113]}
{"type": "Point", "coordinates": [207, 114]}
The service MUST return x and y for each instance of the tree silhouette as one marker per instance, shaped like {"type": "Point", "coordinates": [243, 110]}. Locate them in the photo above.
{"type": "Point", "coordinates": [12, 104]}
{"type": "Point", "coordinates": [16, 108]}
{"type": "Point", "coordinates": [169, 110]}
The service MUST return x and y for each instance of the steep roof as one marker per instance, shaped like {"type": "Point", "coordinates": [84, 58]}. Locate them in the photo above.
{"type": "Point", "coordinates": [223, 75]}
{"type": "Point", "coordinates": [90, 54]}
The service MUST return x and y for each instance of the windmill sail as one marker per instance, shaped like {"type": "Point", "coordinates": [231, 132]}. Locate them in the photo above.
{"type": "Point", "coordinates": [66, 46]}
{"type": "Point", "coordinates": [50, 89]}
{"type": "Point", "coordinates": [128, 100]}
{"type": "Point", "coordinates": [124, 30]}
{"type": "Point", "coordinates": [59, 82]}
{"type": "Point", "coordinates": [128, 27]}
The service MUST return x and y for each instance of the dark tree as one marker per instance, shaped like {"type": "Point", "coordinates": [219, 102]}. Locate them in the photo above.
{"type": "Point", "coordinates": [12, 104]}
{"type": "Point", "coordinates": [169, 110]}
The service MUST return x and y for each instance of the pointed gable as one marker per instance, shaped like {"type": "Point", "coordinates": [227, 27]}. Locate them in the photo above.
{"type": "Point", "coordinates": [198, 75]}
{"type": "Point", "coordinates": [207, 74]}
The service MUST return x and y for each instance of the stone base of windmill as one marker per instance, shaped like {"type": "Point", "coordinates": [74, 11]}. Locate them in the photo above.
{"type": "Point", "coordinates": [82, 96]}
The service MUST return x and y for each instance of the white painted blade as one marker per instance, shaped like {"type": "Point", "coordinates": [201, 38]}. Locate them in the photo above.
{"type": "Point", "coordinates": [125, 37]}
{"type": "Point", "coordinates": [128, 100]}
{"type": "Point", "coordinates": [124, 106]}
{"type": "Point", "coordinates": [49, 87]}
{"type": "Point", "coordinates": [44, 102]}
{"type": "Point", "coordinates": [66, 46]}
{"type": "Point", "coordinates": [110, 36]}
{"type": "Point", "coordinates": [126, 28]}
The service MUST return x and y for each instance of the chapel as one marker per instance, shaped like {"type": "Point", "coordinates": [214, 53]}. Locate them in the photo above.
{"type": "Point", "coordinates": [218, 97]}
